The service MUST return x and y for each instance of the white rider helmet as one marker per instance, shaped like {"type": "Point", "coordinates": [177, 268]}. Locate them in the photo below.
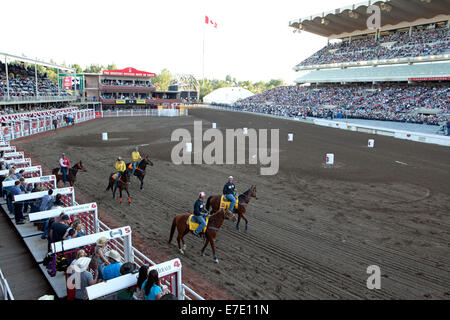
{"type": "Point", "coordinates": [230, 177]}
{"type": "Point", "coordinates": [201, 194]}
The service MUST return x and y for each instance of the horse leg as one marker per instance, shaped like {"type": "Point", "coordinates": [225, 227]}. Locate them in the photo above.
{"type": "Point", "coordinates": [180, 237]}
{"type": "Point", "coordinates": [120, 191]}
{"type": "Point", "coordinates": [129, 198]}
{"type": "Point", "coordinates": [204, 247]}
{"type": "Point", "coordinates": [186, 231]}
{"type": "Point", "coordinates": [142, 181]}
{"type": "Point", "coordinates": [213, 247]}
{"type": "Point", "coordinates": [246, 222]}
{"type": "Point", "coordinates": [237, 224]}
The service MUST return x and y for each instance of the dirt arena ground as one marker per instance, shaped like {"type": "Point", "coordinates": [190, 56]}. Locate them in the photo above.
{"type": "Point", "coordinates": [313, 230]}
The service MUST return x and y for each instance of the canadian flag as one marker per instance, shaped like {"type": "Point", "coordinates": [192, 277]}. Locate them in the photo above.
{"type": "Point", "coordinates": [209, 21]}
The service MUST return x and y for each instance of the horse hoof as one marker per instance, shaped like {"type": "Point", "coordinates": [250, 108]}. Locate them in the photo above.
{"type": "Point", "coordinates": [181, 251]}
{"type": "Point", "coordinates": [216, 260]}
{"type": "Point", "coordinates": [184, 247]}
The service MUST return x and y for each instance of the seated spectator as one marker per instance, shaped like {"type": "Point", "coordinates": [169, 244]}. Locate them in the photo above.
{"type": "Point", "coordinates": [152, 288]}
{"type": "Point", "coordinates": [112, 270]}
{"type": "Point", "coordinates": [46, 202]}
{"type": "Point", "coordinates": [127, 294]}
{"type": "Point", "coordinates": [143, 275]}
{"type": "Point", "coordinates": [76, 229]}
{"type": "Point", "coordinates": [58, 230]}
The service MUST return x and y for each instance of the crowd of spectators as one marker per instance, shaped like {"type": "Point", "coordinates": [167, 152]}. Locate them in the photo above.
{"type": "Point", "coordinates": [422, 42]}
{"type": "Point", "coordinates": [22, 82]}
{"type": "Point", "coordinates": [394, 102]}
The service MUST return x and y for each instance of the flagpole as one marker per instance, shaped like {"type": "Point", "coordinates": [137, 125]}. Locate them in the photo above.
{"type": "Point", "coordinates": [203, 59]}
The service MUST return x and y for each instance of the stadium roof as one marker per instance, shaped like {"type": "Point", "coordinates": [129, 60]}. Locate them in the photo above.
{"type": "Point", "coordinates": [228, 95]}
{"type": "Point", "coordinates": [354, 17]}
{"type": "Point", "coordinates": [12, 57]}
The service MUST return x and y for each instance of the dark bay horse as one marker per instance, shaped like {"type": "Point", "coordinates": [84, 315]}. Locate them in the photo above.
{"type": "Point", "coordinates": [71, 173]}
{"type": "Point", "coordinates": [213, 202]}
{"type": "Point", "coordinates": [180, 222]}
{"type": "Point", "coordinates": [122, 184]}
{"type": "Point", "coordinates": [140, 169]}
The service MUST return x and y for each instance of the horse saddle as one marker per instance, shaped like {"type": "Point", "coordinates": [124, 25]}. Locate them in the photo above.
{"type": "Point", "coordinates": [114, 176]}
{"type": "Point", "coordinates": [194, 225]}
{"type": "Point", "coordinates": [225, 204]}
{"type": "Point", "coordinates": [130, 166]}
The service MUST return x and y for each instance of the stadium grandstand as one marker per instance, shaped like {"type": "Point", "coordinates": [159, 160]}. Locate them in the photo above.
{"type": "Point", "coordinates": [24, 87]}
{"type": "Point", "coordinates": [399, 71]}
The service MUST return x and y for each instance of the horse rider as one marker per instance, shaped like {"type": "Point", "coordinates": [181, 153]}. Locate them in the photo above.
{"type": "Point", "coordinates": [199, 213]}
{"type": "Point", "coordinates": [229, 193]}
{"type": "Point", "coordinates": [120, 168]}
{"type": "Point", "coordinates": [65, 165]}
{"type": "Point", "coordinates": [135, 158]}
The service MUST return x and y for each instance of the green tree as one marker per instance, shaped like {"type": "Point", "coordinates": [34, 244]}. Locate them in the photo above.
{"type": "Point", "coordinates": [77, 68]}
{"type": "Point", "coordinates": [162, 80]}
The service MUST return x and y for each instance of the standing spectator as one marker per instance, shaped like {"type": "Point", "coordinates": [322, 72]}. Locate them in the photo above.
{"type": "Point", "coordinates": [65, 165]}
{"type": "Point", "coordinates": [99, 259]}
{"type": "Point", "coordinates": [18, 205]}
{"type": "Point", "coordinates": [112, 270]}
{"type": "Point", "coordinates": [86, 278]}
{"type": "Point", "coordinates": [7, 191]}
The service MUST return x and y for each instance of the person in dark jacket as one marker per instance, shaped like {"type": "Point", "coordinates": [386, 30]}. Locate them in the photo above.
{"type": "Point", "coordinates": [18, 205]}
{"type": "Point", "coordinates": [229, 192]}
{"type": "Point", "coordinates": [199, 213]}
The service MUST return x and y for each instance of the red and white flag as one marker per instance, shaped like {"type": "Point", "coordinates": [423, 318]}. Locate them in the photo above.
{"type": "Point", "coordinates": [209, 21]}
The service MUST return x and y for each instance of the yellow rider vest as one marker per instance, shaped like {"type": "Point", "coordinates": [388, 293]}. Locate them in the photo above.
{"type": "Point", "coordinates": [135, 156]}
{"type": "Point", "coordinates": [121, 166]}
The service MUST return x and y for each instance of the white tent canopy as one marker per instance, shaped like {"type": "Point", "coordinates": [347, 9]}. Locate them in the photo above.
{"type": "Point", "coordinates": [227, 95]}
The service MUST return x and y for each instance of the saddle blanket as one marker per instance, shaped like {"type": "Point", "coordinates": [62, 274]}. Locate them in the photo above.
{"type": "Point", "coordinates": [193, 225]}
{"type": "Point", "coordinates": [225, 204]}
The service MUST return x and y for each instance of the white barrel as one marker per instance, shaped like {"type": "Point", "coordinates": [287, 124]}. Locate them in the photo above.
{"type": "Point", "coordinates": [105, 136]}
{"type": "Point", "coordinates": [245, 130]}
{"type": "Point", "coordinates": [290, 137]}
{"type": "Point", "coordinates": [329, 158]}
{"type": "Point", "coordinates": [189, 147]}
{"type": "Point", "coordinates": [371, 143]}
{"type": "Point", "coordinates": [214, 125]}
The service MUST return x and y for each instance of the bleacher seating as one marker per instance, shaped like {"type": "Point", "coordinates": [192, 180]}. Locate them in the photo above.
{"type": "Point", "coordinates": [421, 43]}
{"type": "Point", "coordinates": [119, 239]}
{"type": "Point", "coordinates": [394, 102]}
{"type": "Point", "coordinates": [22, 82]}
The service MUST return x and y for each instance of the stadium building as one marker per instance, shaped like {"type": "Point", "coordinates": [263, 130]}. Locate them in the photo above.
{"type": "Point", "coordinates": [126, 88]}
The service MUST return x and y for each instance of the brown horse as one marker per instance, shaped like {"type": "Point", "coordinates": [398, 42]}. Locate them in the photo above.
{"type": "Point", "coordinates": [244, 199]}
{"type": "Point", "coordinates": [71, 174]}
{"type": "Point", "coordinates": [180, 222]}
{"type": "Point", "coordinates": [122, 184]}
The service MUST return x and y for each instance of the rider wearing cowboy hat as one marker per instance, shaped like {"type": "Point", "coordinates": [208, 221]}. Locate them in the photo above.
{"type": "Point", "coordinates": [120, 168]}
{"type": "Point", "coordinates": [135, 157]}
{"type": "Point", "coordinates": [199, 210]}
{"type": "Point", "coordinates": [229, 192]}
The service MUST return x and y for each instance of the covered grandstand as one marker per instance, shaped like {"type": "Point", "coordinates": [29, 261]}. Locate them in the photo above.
{"type": "Point", "coordinates": [395, 72]}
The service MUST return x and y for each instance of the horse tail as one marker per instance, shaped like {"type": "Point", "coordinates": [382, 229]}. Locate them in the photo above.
{"type": "Point", "coordinates": [172, 229]}
{"type": "Point", "coordinates": [208, 202]}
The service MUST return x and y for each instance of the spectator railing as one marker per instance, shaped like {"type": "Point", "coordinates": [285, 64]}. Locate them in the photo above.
{"type": "Point", "coordinates": [17, 163]}
{"type": "Point", "coordinates": [45, 182]}
{"type": "Point", "coordinates": [67, 196]}
{"type": "Point", "coordinates": [375, 62]}
{"type": "Point", "coordinates": [28, 172]}
{"type": "Point", "coordinates": [6, 293]}
{"type": "Point", "coordinates": [4, 100]}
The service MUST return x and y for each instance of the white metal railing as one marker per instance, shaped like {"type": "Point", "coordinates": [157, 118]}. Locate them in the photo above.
{"type": "Point", "coordinates": [43, 98]}
{"type": "Point", "coordinates": [375, 62]}
{"type": "Point", "coordinates": [187, 292]}
{"type": "Point", "coordinates": [146, 113]}
{"type": "Point", "coordinates": [6, 293]}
